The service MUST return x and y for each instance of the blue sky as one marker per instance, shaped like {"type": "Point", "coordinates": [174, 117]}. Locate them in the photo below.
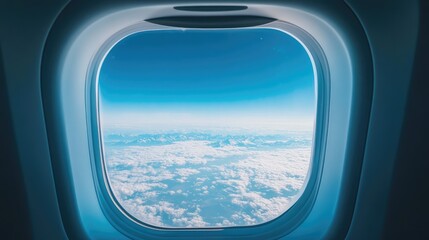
{"type": "Point", "coordinates": [248, 78]}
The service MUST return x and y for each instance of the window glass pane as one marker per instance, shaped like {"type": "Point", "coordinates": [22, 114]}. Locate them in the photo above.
{"type": "Point", "coordinates": [207, 128]}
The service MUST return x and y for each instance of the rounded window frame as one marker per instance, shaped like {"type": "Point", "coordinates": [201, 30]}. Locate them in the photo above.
{"type": "Point", "coordinates": [287, 221]}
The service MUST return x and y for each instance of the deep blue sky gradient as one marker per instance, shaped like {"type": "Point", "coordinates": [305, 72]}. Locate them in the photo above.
{"type": "Point", "coordinates": [255, 71]}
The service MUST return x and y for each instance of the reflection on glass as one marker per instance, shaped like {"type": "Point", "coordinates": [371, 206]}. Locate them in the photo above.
{"type": "Point", "coordinates": [207, 128]}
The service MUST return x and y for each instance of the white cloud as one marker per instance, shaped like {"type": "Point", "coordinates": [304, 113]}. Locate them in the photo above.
{"type": "Point", "coordinates": [194, 183]}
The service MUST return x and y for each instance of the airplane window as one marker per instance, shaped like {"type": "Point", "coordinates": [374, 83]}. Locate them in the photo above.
{"type": "Point", "coordinates": [206, 128]}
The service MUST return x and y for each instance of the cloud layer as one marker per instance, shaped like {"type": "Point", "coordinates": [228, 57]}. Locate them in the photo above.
{"type": "Point", "coordinates": [206, 180]}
